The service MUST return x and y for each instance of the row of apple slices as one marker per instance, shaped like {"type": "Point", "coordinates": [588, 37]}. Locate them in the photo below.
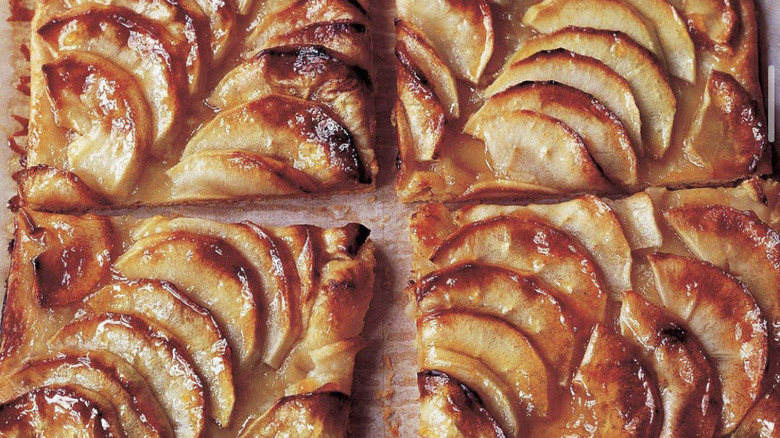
{"type": "Point", "coordinates": [540, 322]}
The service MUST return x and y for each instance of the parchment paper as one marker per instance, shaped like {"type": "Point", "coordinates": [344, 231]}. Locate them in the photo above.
{"type": "Point", "coordinates": [384, 392]}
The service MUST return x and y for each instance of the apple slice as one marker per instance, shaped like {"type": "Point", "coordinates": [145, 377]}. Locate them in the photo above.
{"type": "Point", "coordinates": [411, 42]}
{"type": "Point", "coordinates": [231, 174]}
{"type": "Point", "coordinates": [450, 408]}
{"type": "Point", "coordinates": [460, 31]}
{"type": "Point", "coordinates": [553, 15]}
{"type": "Point", "coordinates": [222, 24]}
{"type": "Point", "coordinates": [47, 188]}
{"type": "Point", "coordinates": [210, 272]}
{"type": "Point", "coordinates": [637, 215]}
{"type": "Point", "coordinates": [530, 245]}
{"type": "Point", "coordinates": [614, 395]}
{"type": "Point", "coordinates": [763, 418]}
{"type": "Point", "coordinates": [59, 411]}
{"type": "Point", "coordinates": [739, 243]}
{"type": "Point", "coordinates": [728, 136]}
{"type": "Point", "coordinates": [153, 354]}
{"type": "Point", "coordinates": [605, 137]}
{"type": "Point", "coordinates": [289, 17]}
{"type": "Point", "coordinates": [137, 409]}
{"type": "Point", "coordinates": [581, 72]}
{"type": "Point", "coordinates": [673, 36]}
{"type": "Point", "coordinates": [533, 148]}
{"type": "Point", "coordinates": [300, 133]}
{"type": "Point", "coordinates": [348, 41]}
{"type": "Point", "coordinates": [77, 256]}
{"type": "Point", "coordinates": [645, 76]}
{"type": "Point", "coordinates": [495, 343]}
{"type": "Point", "coordinates": [104, 105]}
{"type": "Point", "coordinates": [516, 298]}
{"type": "Point", "coordinates": [720, 311]}
{"type": "Point", "coordinates": [494, 393]}
{"type": "Point", "coordinates": [193, 326]}
{"type": "Point", "coordinates": [269, 260]}
{"type": "Point", "coordinates": [714, 18]}
{"type": "Point", "coordinates": [687, 383]}
{"type": "Point", "coordinates": [136, 44]}
{"type": "Point", "coordinates": [322, 414]}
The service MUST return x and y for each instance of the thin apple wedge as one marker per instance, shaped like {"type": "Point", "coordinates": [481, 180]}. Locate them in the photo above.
{"type": "Point", "coordinates": [519, 299]}
{"type": "Point", "coordinates": [530, 245]}
{"type": "Point", "coordinates": [552, 15]}
{"type": "Point", "coordinates": [59, 411]}
{"type": "Point", "coordinates": [106, 109]}
{"type": "Point", "coordinates": [645, 75]}
{"type": "Point", "coordinates": [530, 147]}
{"type": "Point", "coordinates": [615, 393]}
{"type": "Point", "coordinates": [153, 354]}
{"type": "Point", "coordinates": [322, 414]}
{"type": "Point", "coordinates": [580, 72]}
{"type": "Point", "coordinates": [411, 42]}
{"type": "Point", "coordinates": [215, 276]}
{"type": "Point", "coordinates": [719, 310]}
{"type": "Point", "coordinates": [139, 46]}
{"type": "Point", "coordinates": [222, 25]}
{"type": "Point", "coordinates": [714, 18]}
{"type": "Point", "coordinates": [604, 135]}
{"type": "Point", "coordinates": [268, 259]}
{"type": "Point", "coordinates": [47, 188]}
{"type": "Point", "coordinates": [348, 41]}
{"type": "Point", "coordinates": [138, 411]}
{"type": "Point", "coordinates": [460, 31]}
{"type": "Point", "coordinates": [300, 133]}
{"type": "Point", "coordinates": [192, 325]}
{"type": "Point", "coordinates": [450, 408]}
{"type": "Point", "coordinates": [687, 383]}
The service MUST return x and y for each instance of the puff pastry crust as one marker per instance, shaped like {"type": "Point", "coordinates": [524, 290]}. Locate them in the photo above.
{"type": "Point", "coordinates": [156, 102]}
{"type": "Point", "coordinates": [181, 327]}
{"type": "Point", "coordinates": [553, 98]}
{"type": "Point", "coordinates": [655, 315]}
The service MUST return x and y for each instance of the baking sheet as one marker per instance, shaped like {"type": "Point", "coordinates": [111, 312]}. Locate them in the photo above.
{"type": "Point", "coordinates": [384, 392]}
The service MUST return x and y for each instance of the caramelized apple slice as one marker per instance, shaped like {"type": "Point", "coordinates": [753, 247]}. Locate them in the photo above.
{"type": "Point", "coordinates": [138, 411]}
{"type": "Point", "coordinates": [46, 188]}
{"type": "Point", "coordinates": [106, 108]}
{"type": "Point", "coordinates": [687, 383]}
{"type": "Point", "coordinates": [516, 298]}
{"type": "Point", "coordinates": [322, 414]}
{"type": "Point", "coordinates": [533, 148]}
{"type": "Point", "coordinates": [222, 25]}
{"type": "Point", "coordinates": [581, 72]}
{"type": "Point", "coordinates": [297, 132]}
{"type": "Point", "coordinates": [348, 41]}
{"type": "Point", "coordinates": [270, 262]}
{"type": "Point", "coordinates": [231, 174]}
{"type": "Point", "coordinates": [720, 311]}
{"type": "Point", "coordinates": [553, 15]}
{"type": "Point", "coordinates": [218, 279]}
{"type": "Point", "coordinates": [494, 393]}
{"type": "Point", "coordinates": [739, 243]}
{"type": "Point", "coordinates": [530, 245]}
{"type": "Point", "coordinates": [501, 347]}
{"type": "Point", "coordinates": [413, 45]}
{"type": "Point", "coordinates": [59, 411]}
{"type": "Point", "coordinates": [450, 408]}
{"type": "Point", "coordinates": [136, 44]}
{"type": "Point", "coordinates": [762, 420]}
{"type": "Point", "coordinates": [605, 137]}
{"type": "Point", "coordinates": [192, 325]}
{"type": "Point", "coordinates": [77, 256]}
{"type": "Point", "coordinates": [461, 32]}
{"type": "Point", "coordinates": [615, 393]}
{"type": "Point", "coordinates": [645, 76]}
{"type": "Point", "coordinates": [714, 18]}
{"type": "Point", "coordinates": [153, 354]}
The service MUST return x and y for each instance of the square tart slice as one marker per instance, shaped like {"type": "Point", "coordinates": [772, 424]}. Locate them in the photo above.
{"type": "Point", "coordinates": [544, 99]}
{"type": "Point", "coordinates": [170, 102]}
{"type": "Point", "coordinates": [181, 327]}
{"type": "Point", "coordinates": [653, 315]}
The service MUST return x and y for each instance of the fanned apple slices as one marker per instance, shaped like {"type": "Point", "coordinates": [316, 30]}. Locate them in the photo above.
{"type": "Point", "coordinates": [181, 327]}
{"type": "Point", "coordinates": [667, 300]}
{"type": "Point", "coordinates": [587, 73]}
{"type": "Point", "coordinates": [121, 89]}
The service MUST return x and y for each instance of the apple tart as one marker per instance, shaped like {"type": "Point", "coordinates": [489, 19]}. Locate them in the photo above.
{"type": "Point", "coordinates": [181, 327]}
{"type": "Point", "coordinates": [549, 98]}
{"type": "Point", "coordinates": [166, 102]}
{"type": "Point", "coordinates": [655, 315]}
